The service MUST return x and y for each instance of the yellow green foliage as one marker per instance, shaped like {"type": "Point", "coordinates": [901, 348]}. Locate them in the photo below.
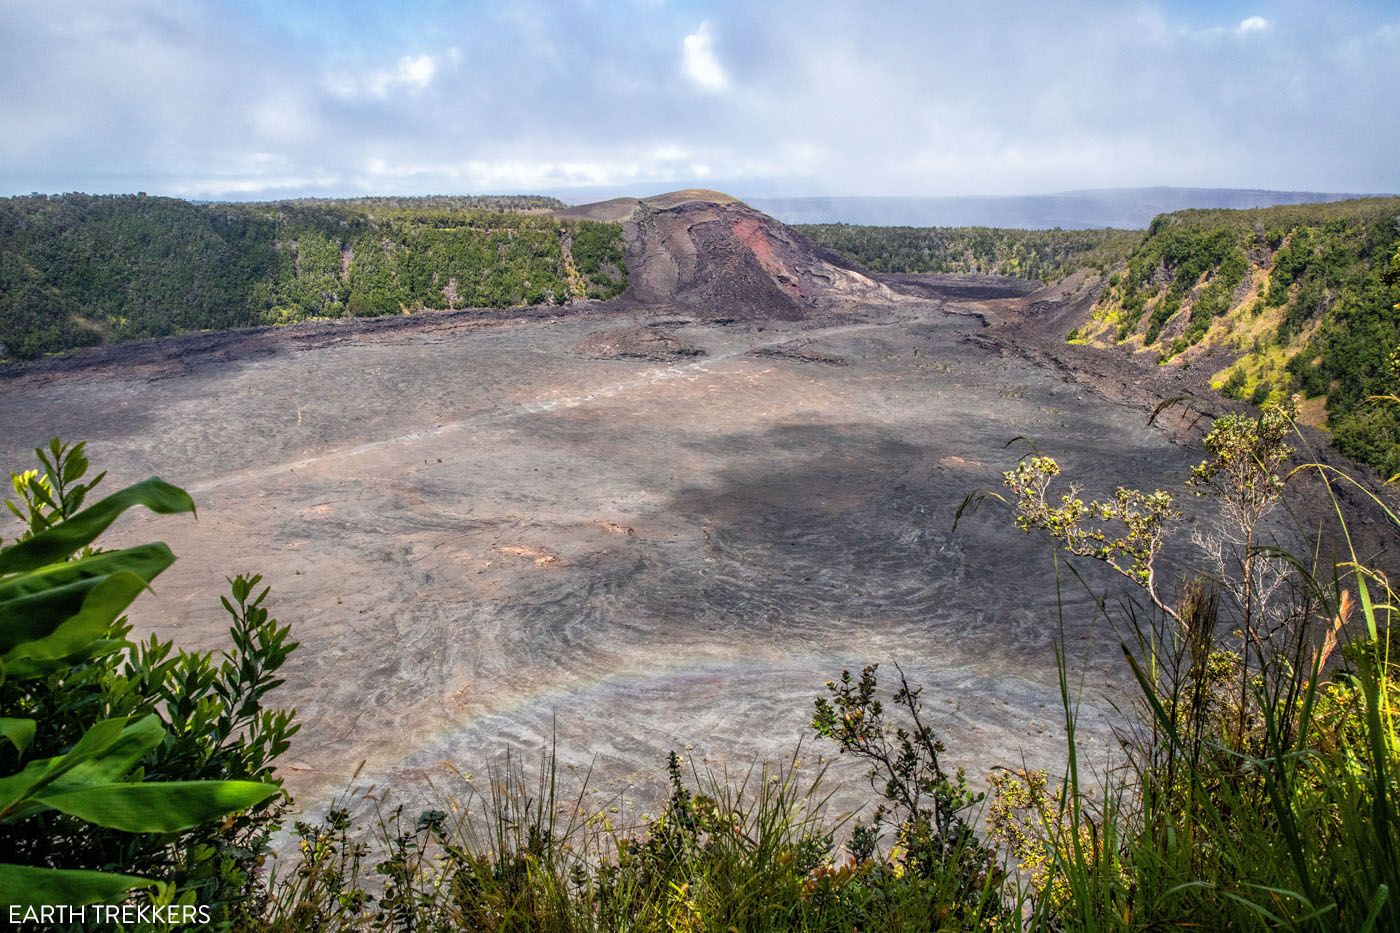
{"type": "Point", "coordinates": [1130, 552]}
{"type": "Point", "coordinates": [1302, 297]}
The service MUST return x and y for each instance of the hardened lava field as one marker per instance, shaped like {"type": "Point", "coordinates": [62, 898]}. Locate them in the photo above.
{"type": "Point", "coordinates": [488, 535]}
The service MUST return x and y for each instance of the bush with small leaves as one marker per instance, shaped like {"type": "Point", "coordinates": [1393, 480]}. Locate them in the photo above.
{"type": "Point", "coordinates": [921, 798]}
{"type": "Point", "coordinates": [1132, 552]}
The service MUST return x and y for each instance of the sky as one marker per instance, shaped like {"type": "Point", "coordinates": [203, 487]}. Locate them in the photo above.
{"type": "Point", "coordinates": [243, 99]}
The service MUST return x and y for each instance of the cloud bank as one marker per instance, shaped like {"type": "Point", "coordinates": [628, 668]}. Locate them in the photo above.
{"type": "Point", "coordinates": [217, 98]}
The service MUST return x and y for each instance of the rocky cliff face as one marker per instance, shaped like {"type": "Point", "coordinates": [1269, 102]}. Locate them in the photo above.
{"type": "Point", "coordinates": [714, 256]}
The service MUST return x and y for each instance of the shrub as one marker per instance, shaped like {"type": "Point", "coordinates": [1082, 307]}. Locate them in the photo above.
{"type": "Point", "coordinates": [753, 852]}
{"type": "Point", "coordinates": [128, 764]}
{"type": "Point", "coordinates": [1260, 779]}
{"type": "Point", "coordinates": [923, 800]}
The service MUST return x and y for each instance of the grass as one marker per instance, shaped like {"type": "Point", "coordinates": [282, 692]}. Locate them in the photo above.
{"type": "Point", "coordinates": [748, 852]}
{"type": "Point", "coordinates": [1261, 789]}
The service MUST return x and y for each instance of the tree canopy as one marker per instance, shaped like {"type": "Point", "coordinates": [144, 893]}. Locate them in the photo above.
{"type": "Point", "coordinates": [78, 270]}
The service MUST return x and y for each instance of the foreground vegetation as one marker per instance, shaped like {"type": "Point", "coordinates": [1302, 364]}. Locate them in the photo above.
{"type": "Point", "coordinates": [1276, 301]}
{"type": "Point", "coordinates": [78, 270]}
{"type": "Point", "coordinates": [1047, 255]}
{"type": "Point", "coordinates": [126, 764]}
{"type": "Point", "coordinates": [1257, 789]}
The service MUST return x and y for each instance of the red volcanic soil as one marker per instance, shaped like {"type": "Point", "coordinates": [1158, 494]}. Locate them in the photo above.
{"type": "Point", "coordinates": [753, 233]}
{"type": "Point", "coordinates": [711, 255]}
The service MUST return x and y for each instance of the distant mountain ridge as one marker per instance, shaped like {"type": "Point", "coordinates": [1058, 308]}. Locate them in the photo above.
{"type": "Point", "coordinates": [1124, 208]}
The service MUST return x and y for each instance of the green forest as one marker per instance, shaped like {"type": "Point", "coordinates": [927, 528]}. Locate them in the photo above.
{"type": "Point", "coordinates": [1047, 255]}
{"type": "Point", "coordinates": [78, 270]}
{"type": "Point", "coordinates": [437, 202]}
{"type": "Point", "coordinates": [1276, 301]}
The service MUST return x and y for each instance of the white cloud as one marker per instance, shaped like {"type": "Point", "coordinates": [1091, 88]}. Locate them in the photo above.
{"type": "Point", "coordinates": [412, 73]}
{"type": "Point", "coordinates": [1252, 24]}
{"type": "Point", "coordinates": [577, 166]}
{"type": "Point", "coordinates": [223, 186]}
{"type": "Point", "coordinates": [211, 97]}
{"type": "Point", "coordinates": [700, 62]}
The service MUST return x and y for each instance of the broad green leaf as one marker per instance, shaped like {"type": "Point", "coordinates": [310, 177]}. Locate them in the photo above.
{"type": "Point", "coordinates": [19, 732]}
{"type": "Point", "coordinates": [99, 737]}
{"type": "Point", "coordinates": [116, 759]}
{"type": "Point", "coordinates": [37, 774]}
{"type": "Point", "coordinates": [31, 668]}
{"type": "Point", "coordinates": [15, 788]}
{"type": "Point", "coordinates": [64, 539]}
{"type": "Point", "coordinates": [81, 767]}
{"type": "Point", "coordinates": [36, 615]}
{"type": "Point", "coordinates": [146, 561]}
{"type": "Point", "coordinates": [158, 807]}
{"type": "Point", "coordinates": [34, 604]}
{"type": "Point", "coordinates": [101, 606]}
{"type": "Point", "coordinates": [27, 886]}
{"type": "Point", "coordinates": [77, 464]}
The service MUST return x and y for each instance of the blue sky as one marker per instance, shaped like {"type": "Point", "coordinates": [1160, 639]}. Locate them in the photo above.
{"type": "Point", "coordinates": [270, 98]}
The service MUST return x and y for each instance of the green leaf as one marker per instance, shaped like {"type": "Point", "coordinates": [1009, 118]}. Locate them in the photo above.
{"type": "Point", "coordinates": [36, 615]}
{"type": "Point", "coordinates": [159, 807]}
{"type": "Point", "coordinates": [118, 758]}
{"type": "Point", "coordinates": [104, 754]}
{"type": "Point", "coordinates": [76, 464]}
{"type": "Point", "coordinates": [34, 604]}
{"type": "Point", "coordinates": [40, 492]}
{"type": "Point", "coordinates": [66, 538]}
{"type": "Point", "coordinates": [15, 788]}
{"type": "Point", "coordinates": [19, 732]}
{"type": "Point", "coordinates": [147, 561]}
{"type": "Point", "coordinates": [1150, 693]}
{"type": "Point", "coordinates": [27, 886]}
{"type": "Point", "coordinates": [101, 607]}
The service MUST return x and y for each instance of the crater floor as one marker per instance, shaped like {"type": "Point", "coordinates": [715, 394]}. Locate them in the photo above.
{"type": "Point", "coordinates": [485, 537]}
